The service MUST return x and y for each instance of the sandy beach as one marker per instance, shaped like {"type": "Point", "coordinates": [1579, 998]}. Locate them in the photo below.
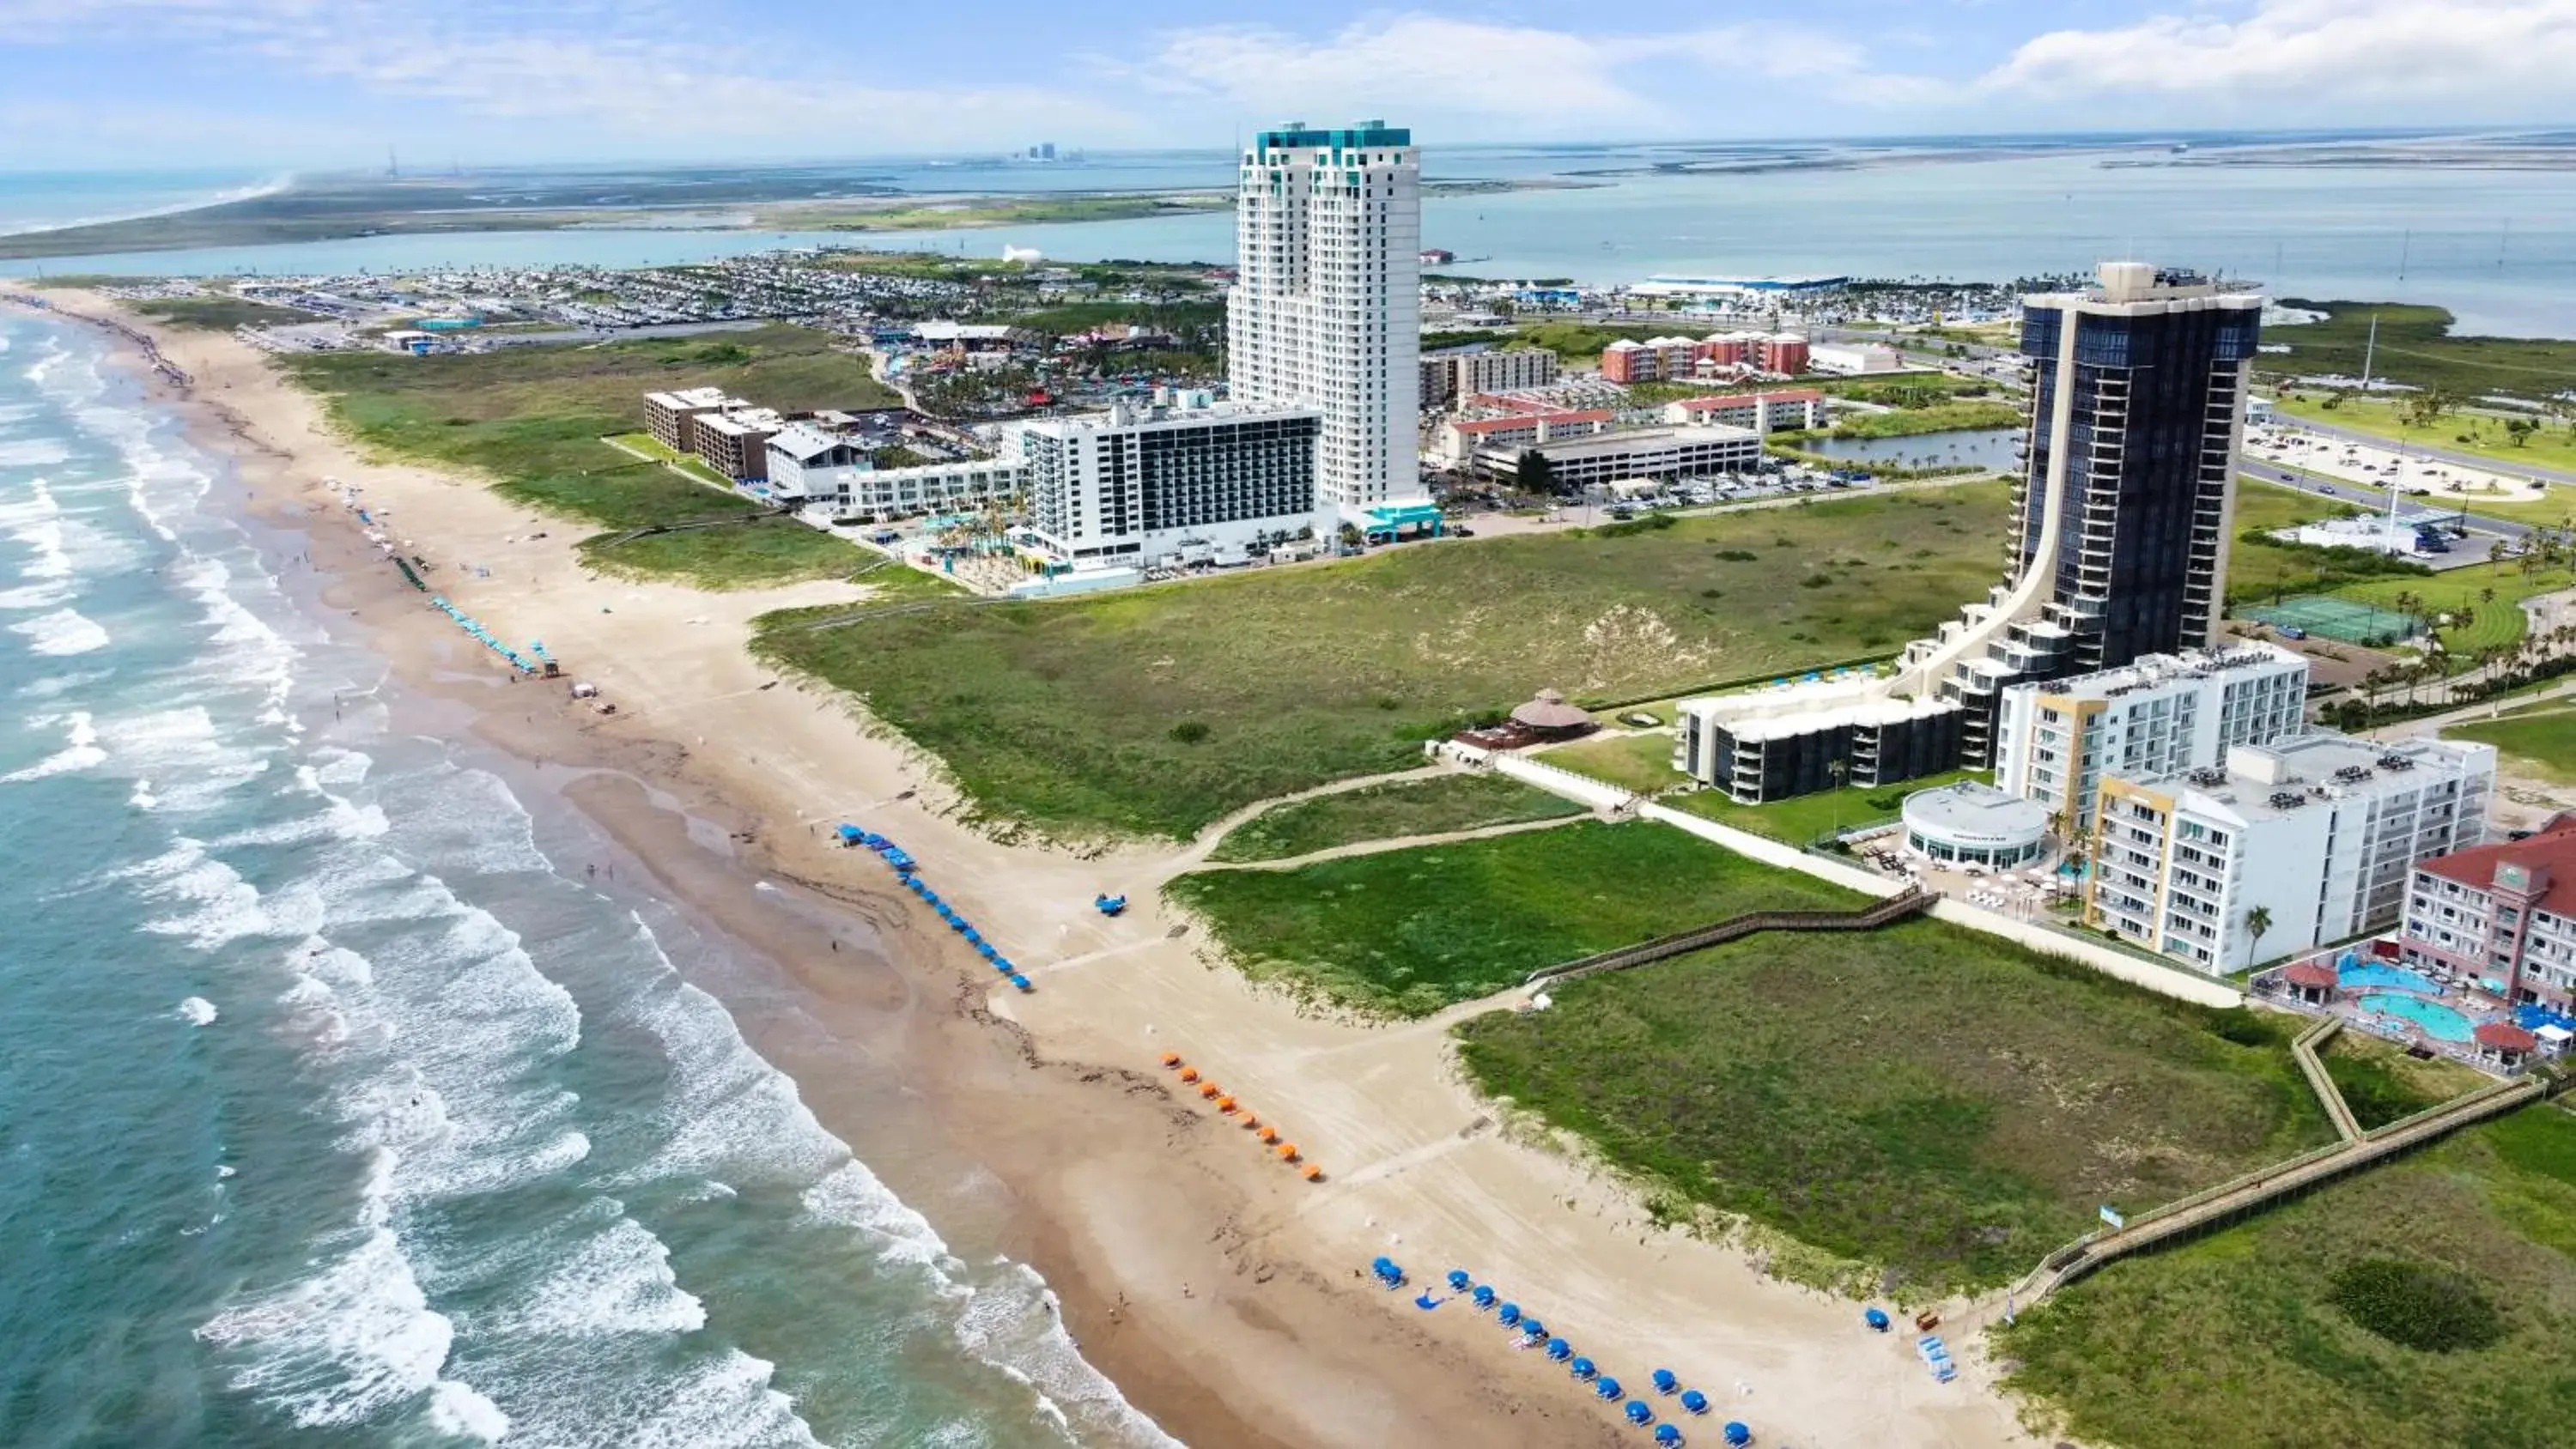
{"type": "Point", "coordinates": [1222, 1293]}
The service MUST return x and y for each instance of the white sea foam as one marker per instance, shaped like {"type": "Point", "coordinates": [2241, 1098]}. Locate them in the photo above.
{"type": "Point", "coordinates": [33, 596]}
{"type": "Point", "coordinates": [198, 1010]}
{"type": "Point", "coordinates": [33, 453]}
{"type": "Point", "coordinates": [80, 749]}
{"type": "Point", "coordinates": [617, 1280]}
{"type": "Point", "coordinates": [215, 906]}
{"type": "Point", "coordinates": [347, 1343]}
{"type": "Point", "coordinates": [64, 631]}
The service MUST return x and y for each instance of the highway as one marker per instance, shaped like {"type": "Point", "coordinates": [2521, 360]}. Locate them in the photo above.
{"type": "Point", "coordinates": [2355, 494]}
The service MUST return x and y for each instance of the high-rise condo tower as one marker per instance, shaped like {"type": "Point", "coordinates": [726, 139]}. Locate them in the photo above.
{"type": "Point", "coordinates": [1326, 308]}
{"type": "Point", "coordinates": [2118, 546]}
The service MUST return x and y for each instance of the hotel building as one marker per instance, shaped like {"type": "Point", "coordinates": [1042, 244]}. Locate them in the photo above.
{"type": "Point", "coordinates": [1763, 412]}
{"type": "Point", "coordinates": [736, 444]}
{"type": "Point", "coordinates": [2321, 831]}
{"type": "Point", "coordinates": [1131, 486]}
{"type": "Point", "coordinates": [2502, 913]}
{"type": "Point", "coordinates": [1325, 312]}
{"type": "Point", "coordinates": [672, 416]}
{"type": "Point", "coordinates": [2118, 545]}
{"type": "Point", "coordinates": [2159, 714]}
{"type": "Point", "coordinates": [1612, 457]}
{"type": "Point", "coordinates": [811, 466]}
{"type": "Point", "coordinates": [1450, 376]}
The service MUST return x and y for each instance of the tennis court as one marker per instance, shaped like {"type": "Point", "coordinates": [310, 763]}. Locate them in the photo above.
{"type": "Point", "coordinates": [2332, 618]}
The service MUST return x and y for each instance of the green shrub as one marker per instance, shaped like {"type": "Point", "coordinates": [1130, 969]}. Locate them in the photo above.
{"type": "Point", "coordinates": [1190, 731]}
{"type": "Point", "coordinates": [2416, 1305]}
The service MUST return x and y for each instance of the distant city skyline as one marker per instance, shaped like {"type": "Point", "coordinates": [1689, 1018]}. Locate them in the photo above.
{"type": "Point", "coordinates": [288, 83]}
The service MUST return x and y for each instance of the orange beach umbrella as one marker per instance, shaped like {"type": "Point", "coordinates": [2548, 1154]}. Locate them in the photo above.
{"type": "Point", "coordinates": [1189, 1074]}
{"type": "Point", "coordinates": [1171, 1059]}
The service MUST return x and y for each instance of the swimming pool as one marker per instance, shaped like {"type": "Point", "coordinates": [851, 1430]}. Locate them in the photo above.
{"type": "Point", "coordinates": [2373, 976]}
{"type": "Point", "coordinates": [2435, 1020]}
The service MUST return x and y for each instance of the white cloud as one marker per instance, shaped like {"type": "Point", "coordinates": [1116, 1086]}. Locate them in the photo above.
{"type": "Point", "coordinates": [1518, 79]}
{"type": "Point", "coordinates": [2463, 58]}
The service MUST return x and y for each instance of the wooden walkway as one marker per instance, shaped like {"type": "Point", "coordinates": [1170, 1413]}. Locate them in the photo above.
{"type": "Point", "coordinates": [2255, 1190]}
{"type": "Point", "coordinates": [1894, 908]}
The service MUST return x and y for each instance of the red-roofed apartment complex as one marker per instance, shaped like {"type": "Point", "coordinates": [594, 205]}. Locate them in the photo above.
{"type": "Point", "coordinates": [2506, 912]}
{"type": "Point", "coordinates": [1763, 412]}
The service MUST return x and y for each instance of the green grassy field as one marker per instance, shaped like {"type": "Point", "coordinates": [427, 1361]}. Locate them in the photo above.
{"type": "Point", "coordinates": [1407, 932]}
{"type": "Point", "coordinates": [2241, 1338]}
{"type": "Point", "coordinates": [531, 418]}
{"type": "Point", "coordinates": [1643, 763]}
{"type": "Point", "coordinates": [1390, 812]}
{"type": "Point", "coordinates": [1941, 417]}
{"type": "Point", "coordinates": [2494, 623]}
{"type": "Point", "coordinates": [2538, 741]}
{"type": "Point", "coordinates": [1920, 1099]}
{"type": "Point", "coordinates": [2259, 569]}
{"type": "Point", "coordinates": [220, 314]}
{"type": "Point", "coordinates": [1802, 819]}
{"type": "Point", "coordinates": [2415, 346]}
{"type": "Point", "coordinates": [2381, 1084]}
{"type": "Point", "coordinates": [755, 553]}
{"type": "Point", "coordinates": [1155, 711]}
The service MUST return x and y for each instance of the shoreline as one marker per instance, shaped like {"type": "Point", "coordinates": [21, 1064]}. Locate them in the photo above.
{"type": "Point", "coordinates": [1206, 1282]}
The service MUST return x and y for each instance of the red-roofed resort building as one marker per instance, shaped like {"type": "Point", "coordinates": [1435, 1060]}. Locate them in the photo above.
{"type": "Point", "coordinates": [2504, 913]}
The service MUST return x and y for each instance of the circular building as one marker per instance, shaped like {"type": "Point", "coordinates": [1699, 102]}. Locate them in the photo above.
{"type": "Point", "coordinates": [1972, 824]}
{"type": "Point", "coordinates": [1549, 717]}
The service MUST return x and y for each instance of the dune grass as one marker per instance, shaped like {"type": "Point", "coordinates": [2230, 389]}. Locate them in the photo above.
{"type": "Point", "coordinates": [2239, 1338]}
{"type": "Point", "coordinates": [1391, 811]}
{"type": "Point", "coordinates": [1407, 932]}
{"type": "Point", "coordinates": [1155, 711]}
{"type": "Point", "coordinates": [755, 553]}
{"type": "Point", "coordinates": [1643, 763]}
{"type": "Point", "coordinates": [1922, 1100]}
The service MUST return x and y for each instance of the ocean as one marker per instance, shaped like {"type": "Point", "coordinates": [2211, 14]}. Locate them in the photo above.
{"type": "Point", "coordinates": [339, 1104]}
{"type": "Point", "coordinates": [2495, 244]}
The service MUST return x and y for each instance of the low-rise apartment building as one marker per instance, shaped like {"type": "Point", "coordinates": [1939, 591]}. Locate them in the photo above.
{"type": "Point", "coordinates": [736, 443]}
{"type": "Point", "coordinates": [672, 416]}
{"type": "Point", "coordinates": [2055, 741]}
{"type": "Point", "coordinates": [1131, 486]}
{"type": "Point", "coordinates": [1457, 440]}
{"type": "Point", "coordinates": [1763, 412]}
{"type": "Point", "coordinates": [1768, 746]}
{"type": "Point", "coordinates": [2321, 832]}
{"type": "Point", "coordinates": [812, 466]}
{"type": "Point", "coordinates": [1449, 376]}
{"type": "Point", "coordinates": [2501, 913]}
{"type": "Point", "coordinates": [1604, 458]}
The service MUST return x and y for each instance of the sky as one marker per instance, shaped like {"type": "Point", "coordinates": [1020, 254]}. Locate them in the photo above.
{"type": "Point", "coordinates": [322, 84]}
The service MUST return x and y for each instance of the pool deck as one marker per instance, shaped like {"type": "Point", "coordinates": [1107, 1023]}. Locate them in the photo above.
{"type": "Point", "coordinates": [2271, 988]}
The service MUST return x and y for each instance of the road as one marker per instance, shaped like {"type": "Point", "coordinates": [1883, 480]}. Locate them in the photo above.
{"type": "Point", "coordinates": [2489, 462]}
{"type": "Point", "coordinates": [2359, 496]}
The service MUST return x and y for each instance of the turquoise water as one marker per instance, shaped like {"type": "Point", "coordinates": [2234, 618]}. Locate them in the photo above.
{"type": "Point", "coordinates": [334, 1112]}
{"type": "Point", "coordinates": [2436, 1020]}
{"type": "Point", "coordinates": [2498, 247]}
{"type": "Point", "coordinates": [2373, 975]}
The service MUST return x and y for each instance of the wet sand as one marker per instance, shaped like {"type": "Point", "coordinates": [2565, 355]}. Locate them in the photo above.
{"type": "Point", "coordinates": [1222, 1293]}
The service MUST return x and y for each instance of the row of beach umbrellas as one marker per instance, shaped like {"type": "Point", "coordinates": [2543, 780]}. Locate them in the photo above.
{"type": "Point", "coordinates": [1533, 1333]}
{"type": "Point", "coordinates": [479, 632]}
{"type": "Point", "coordinates": [902, 865]}
{"type": "Point", "coordinates": [1267, 1134]}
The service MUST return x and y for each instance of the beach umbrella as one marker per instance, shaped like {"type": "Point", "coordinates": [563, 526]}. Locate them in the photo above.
{"type": "Point", "coordinates": [1582, 1368]}
{"type": "Point", "coordinates": [1250, 1121]}
{"type": "Point", "coordinates": [1508, 1314]}
{"type": "Point", "coordinates": [1225, 1104]}
{"type": "Point", "coordinates": [1560, 1350]}
{"type": "Point", "coordinates": [1019, 981]}
{"type": "Point", "coordinates": [973, 937]}
{"type": "Point", "coordinates": [1668, 1436]}
{"type": "Point", "coordinates": [985, 950]}
{"type": "Point", "coordinates": [1483, 1296]}
{"type": "Point", "coordinates": [1535, 1329]}
{"type": "Point", "coordinates": [1382, 1264]}
{"type": "Point", "coordinates": [1665, 1382]}
{"type": "Point", "coordinates": [1287, 1151]}
{"type": "Point", "coordinates": [1738, 1433]}
{"type": "Point", "coordinates": [1189, 1074]}
{"type": "Point", "coordinates": [1695, 1401]}
{"type": "Point", "coordinates": [1876, 1318]}
{"type": "Point", "coordinates": [1638, 1413]}
{"type": "Point", "coordinates": [1459, 1280]}
{"type": "Point", "coordinates": [1607, 1388]}
{"type": "Point", "coordinates": [1004, 967]}
{"type": "Point", "coordinates": [1209, 1088]}
{"type": "Point", "coordinates": [1314, 1173]}
{"type": "Point", "coordinates": [1171, 1059]}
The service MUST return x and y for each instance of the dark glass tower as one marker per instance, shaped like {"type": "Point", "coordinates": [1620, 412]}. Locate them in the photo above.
{"type": "Point", "coordinates": [2119, 539]}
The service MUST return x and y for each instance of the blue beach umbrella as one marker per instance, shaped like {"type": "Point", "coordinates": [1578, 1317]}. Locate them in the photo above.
{"type": "Point", "coordinates": [1738, 1433]}
{"type": "Point", "coordinates": [1668, 1436]}
{"type": "Point", "coordinates": [1581, 1367]}
{"type": "Point", "coordinates": [1021, 982]}
{"type": "Point", "coordinates": [1876, 1318]}
{"type": "Point", "coordinates": [1458, 1279]}
{"type": "Point", "coordinates": [1535, 1329]}
{"type": "Point", "coordinates": [1483, 1296]}
{"type": "Point", "coordinates": [1381, 1265]}
{"type": "Point", "coordinates": [1664, 1381]}
{"type": "Point", "coordinates": [1607, 1388]}
{"type": "Point", "coordinates": [1695, 1401]}
{"type": "Point", "coordinates": [1560, 1350]}
{"type": "Point", "coordinates": [1638, 1413]}
{"type": "Point", "coordinates": [1004, 967]}
{"type": "Point", "coordinates": [1509, 1314]}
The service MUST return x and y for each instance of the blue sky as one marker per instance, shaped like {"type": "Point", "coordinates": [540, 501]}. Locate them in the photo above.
{"type": "Point", "coordinates": [322, 83]}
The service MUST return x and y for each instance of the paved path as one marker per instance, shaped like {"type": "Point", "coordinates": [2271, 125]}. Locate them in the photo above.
{"type": "Point", "coordinates": [1400, 842]}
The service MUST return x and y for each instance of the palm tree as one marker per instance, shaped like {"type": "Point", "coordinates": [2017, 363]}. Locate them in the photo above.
{"type": "Point", "coordinates": [2257, 921]}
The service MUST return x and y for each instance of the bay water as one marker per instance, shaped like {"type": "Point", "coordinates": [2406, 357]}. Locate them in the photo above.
{"type": "Point", "coordinates": [332, 1110]}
